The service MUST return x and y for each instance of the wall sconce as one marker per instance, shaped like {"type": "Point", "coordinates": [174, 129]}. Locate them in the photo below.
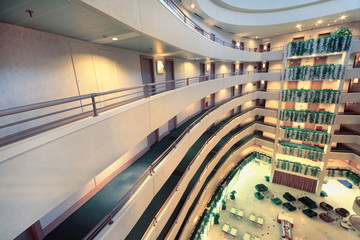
{"type": "Point", "coordinates": [237, 66]}
{"type": "Point", "coordinates": [236, 87]}
{"type": "Point", "coordinates": [262, 81]}
{"type": "Point", "coordinates": [238, 44]}
{"type": "Point", "coordinates": [208, 67]}
{"type": "Point", "coordinates": [264, 65]}
{"type": "Point", "coordinates": [265, 47]}
{"type": "Point", "coordinates": [160, 67]}
{"type": "Point", "coordinates": [356, 80]}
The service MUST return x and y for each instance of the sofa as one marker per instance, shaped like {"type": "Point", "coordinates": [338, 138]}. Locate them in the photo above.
{"type": "Point", "coordinates": [258, 195]}
{"type": "Point", "coordinates": [289, 207]}
{"type": "Point", "coordinates": [310, 213]}
{"type": "Point", "coordinates": [289, 197]}
{"type": "Point", "coordinates": [342, 212]}
{"type": "Point", "coordinates": [326, 207]}
{"type": "Point", "coordinates": [326, 218]}
{"type": "Point", "coordinates": [261, 187]}
{"type": "Point", "coordinates": [308, 202]}
{"type": "Point", "coordinates": [276, 201]}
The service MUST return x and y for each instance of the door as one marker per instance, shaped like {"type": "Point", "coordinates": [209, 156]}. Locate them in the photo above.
{"type": "Point", "coordinates": [320, 60]}
{"type": "Point", "coordinates": [295, 62]}
{"type": "Point", "coordinates": [212, 71]}
{"type": "Point", "coordinates": [212, 37]}
{"type": "Point", "coordinates": [259, 67]}
{"type": "Point", "coordinates": [241, 68]}
{"type": "Point", "coordinates": [268, 46]}
{"type": "Point", "coordinates": [169, 74]}
{"type": "Point", "coordinates": [242, 46]}
{"type": "Point", "coordinates": [147, 73]}
{"type": "Point", "coordinates": [357, 61]}
{"type": "Point", "coordinates": [261, 47]}
{"type": "Point", "coordinates": [153, 137]}
{"type": "Point", "coordinates": [233, 43]}
{"type": "Point", "coordinates": [172, 123]}
{"type": "Point", "coordinates": [298, 39]}
{"type": "Point", "coordinates": [321, 35]}
{"type": "Point", "coordinates": [202, 72]}
{"type": "Point", "coordinates": [233, 68]}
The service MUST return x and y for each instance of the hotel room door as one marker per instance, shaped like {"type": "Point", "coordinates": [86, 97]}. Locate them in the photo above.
{"type": "Point", "coordinates": [147, 72]}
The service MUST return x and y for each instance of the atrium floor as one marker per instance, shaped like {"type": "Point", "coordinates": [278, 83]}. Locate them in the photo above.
{"type": "Point", "coordinates": [304, 227]}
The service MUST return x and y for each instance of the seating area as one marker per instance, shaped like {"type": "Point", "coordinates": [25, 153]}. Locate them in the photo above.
{"type": "Point", "coordinates": [326, 207]}
{"type": "Point", "coordinates": [308, 202]}
{"type": "Point", "coordinates": [258, 195]}
{"type": "Point", "coordinates": [289, 207]}
{"type": "Point", "coordinates": [261, 187]}
{"type": "Point", "coordinates": [346, 183]}
{"type": "Point", "coordinates": [229, 230]}
{"type": "Point", "coordinates": [237, 213]}
{"type": "Point", "coordinates": [258, 217]}
{"type": "Point", "coordinates": [276, 201]}
{"type": "Point", "coordinates": [289, 197]}
{"type": "Point", "coordinates": [310, 213]}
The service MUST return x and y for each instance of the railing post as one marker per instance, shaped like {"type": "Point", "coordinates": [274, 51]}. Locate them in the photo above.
{"type": "Point", "coordinates": [187, 82]}
{"type": "Point", "coordinates": [110, 219]}
{"type": "Point", "coordinates": [146, 93]}
{"type": "Point", "coordinates": [223, 75]}
{"type": "Point", "coordinates": [94, 104]}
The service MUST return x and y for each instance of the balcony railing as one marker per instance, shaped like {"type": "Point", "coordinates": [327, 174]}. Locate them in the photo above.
{"type": "Point", "coordinates": [189, 22]}
{"type": "Point", "coordinates": [135, 187]}
{"type": "Point", "coordinates": [22, 122]}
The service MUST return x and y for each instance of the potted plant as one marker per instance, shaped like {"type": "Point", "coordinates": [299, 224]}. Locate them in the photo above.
{"type": "Point", "coordinates": [223, 206]}
{"type": "Point", "coordinates": [216, 218]}
{"type": "Point", "coordinates": [232, 195]}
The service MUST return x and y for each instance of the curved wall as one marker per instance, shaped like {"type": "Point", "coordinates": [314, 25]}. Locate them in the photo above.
{"type": "Point", "coordinates": [172, 31]}
{"type": "Point", "coordinates": [91, 146]}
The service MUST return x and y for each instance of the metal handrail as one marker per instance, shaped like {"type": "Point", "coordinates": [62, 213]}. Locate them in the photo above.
{"type": "Point", "coordinates": [188, 21]}
{"type": "Point", "coordinates": [197, 155]}
{"type": "Point", "coordinates": [238, 147]}
{"type": "Point", "coordinates": [128, 95]}
{"type": "Point", "coordinates": [148, 172]}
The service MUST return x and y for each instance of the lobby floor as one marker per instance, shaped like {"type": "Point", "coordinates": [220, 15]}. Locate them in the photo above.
{"type": "Point", "coordinates": [304, 227]}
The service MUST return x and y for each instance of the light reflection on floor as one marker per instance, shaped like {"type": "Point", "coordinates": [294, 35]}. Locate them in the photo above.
{"type": "Point", "coordinates": [304, 227]}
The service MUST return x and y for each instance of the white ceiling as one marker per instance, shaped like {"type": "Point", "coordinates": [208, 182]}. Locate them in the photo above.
{"type": "Point", "coordinates": [246, 21]}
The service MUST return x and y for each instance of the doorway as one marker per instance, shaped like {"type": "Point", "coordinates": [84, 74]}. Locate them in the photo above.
{"type": "Point", "coordinates": [202, 72]}
{"type": "Point", "coordinates": [212, 71]}
{"type": "Point", "coordinates": [320, 60]}
{"type": "Point", "coordinates": [147, 73]}
{"type": "Point", "coordinates": [169, 74]}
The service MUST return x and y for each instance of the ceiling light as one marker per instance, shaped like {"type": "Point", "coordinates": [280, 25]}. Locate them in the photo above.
{"type": "Point", "coordinates": [115, 39]}
{"type": "Point", "coordinates": [342, 17]}
{"type": "Point", "coordinates": [335, 21]}
{"type": "Point", "coordinates": [328, 24]}
{"type": "Point", "coordinates": [192, 5]}
{"type": "Point", "coordinates": [298, 26]}
{"type": "Point", "coordinates": [319, 22]}
{"type": "Point", "coordinates": [356, 80]}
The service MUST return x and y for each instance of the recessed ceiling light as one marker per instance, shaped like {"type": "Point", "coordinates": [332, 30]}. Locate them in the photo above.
{"type": "Point", "coordinates": [335, 21]}
{"type": "Point", "coordinates": [298, 26]}
{"type": "Point", "coordinates": [192, 5]}
{"type": "Point", "coordinates": [342, 17]}
{"type": "Point", "coordinates": [328, 24]}
{"type": "Point", "coordinates": [256, 37]}
{"type": "Point", "coordinates": [319, 22]}
{"type": "Point", "coordinates": [115, 39]}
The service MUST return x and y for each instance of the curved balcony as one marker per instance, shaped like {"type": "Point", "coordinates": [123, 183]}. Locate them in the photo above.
{"type": "Point", "coordinates": [164, 171]}
{"type": "Point", "coordinates": [213, 152]}
{"type": "Point", "coordinates": [47, 148]}
{"type": "Point", "coordinates": [174, 29]}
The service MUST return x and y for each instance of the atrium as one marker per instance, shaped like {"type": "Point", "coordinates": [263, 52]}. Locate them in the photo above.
{"type": "Point", "coordinates": [179, 119]}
